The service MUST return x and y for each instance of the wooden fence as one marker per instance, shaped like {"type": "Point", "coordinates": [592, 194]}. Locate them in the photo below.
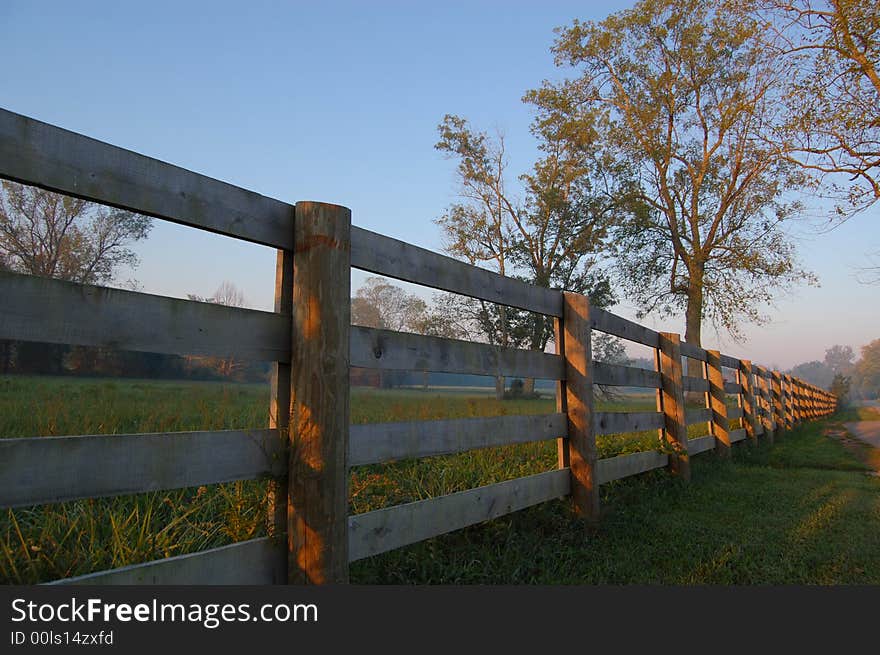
{"type": "Point", "coordinates": [309, 445]}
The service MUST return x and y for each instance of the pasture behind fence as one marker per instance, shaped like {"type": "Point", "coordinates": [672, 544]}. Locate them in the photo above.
{"type": "Point", "coordinates": [309, 445]}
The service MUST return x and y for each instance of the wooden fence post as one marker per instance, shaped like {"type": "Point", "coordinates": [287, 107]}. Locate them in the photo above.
{"type": "Point", "coordinates": [796, 400]}
{"type": "Point", "coordinates": [778, 403]}
{"type": "Point", "coordinates": [766, 403]}
{"type": "Point", "coordinates": [717, 403]}
{"type": "Point", "coordinates": [317, 526]}
{"type": "Point", "coordinates": [672, 403]}
{"type": "Point", "coordinates": [788, 402]}
{"type": "Point", "coordinates": [748, 400]}
{"type": "Point", "coordinates": [279, 399]}
{"type": "Point", "coordinates": [578, 450]}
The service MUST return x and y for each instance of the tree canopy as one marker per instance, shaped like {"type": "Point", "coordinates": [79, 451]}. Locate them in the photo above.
{"type": "Point", "coordinates": [676, 95]}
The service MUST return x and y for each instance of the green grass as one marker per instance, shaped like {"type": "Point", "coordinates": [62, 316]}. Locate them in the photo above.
{"type": "Point", "coordinates": [773, 515]}
{"type": "Point", "coordinates": [647, 518]}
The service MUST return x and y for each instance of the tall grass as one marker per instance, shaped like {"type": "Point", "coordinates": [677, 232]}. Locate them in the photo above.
{"type": "Point", "coordinates": [46, 542]}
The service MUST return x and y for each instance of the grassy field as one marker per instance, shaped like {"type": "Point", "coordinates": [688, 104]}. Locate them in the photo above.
{"type": "Point", "coordinates": [544, 544]}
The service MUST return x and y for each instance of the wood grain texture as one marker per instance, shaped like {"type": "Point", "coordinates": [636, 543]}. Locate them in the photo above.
{"type": "Point", "coordinates": [389, 350]}
{"type": "Point", "coordinates": [615, 375]}
{"type": "Point", "coordinates": [732, 387]}
{"type": "Point", "coordinates": [738, 435]}
{"type": "Point", "coordinates": [39, 470]}
{"type": "Point", "coordinates": [621, 422]}
{"type": "Point", "coordinates": [386, 256]}
{"type": "Point", "coordinates": [692, 384]}
{"type": "Point", "coordinates": [703, 415]}
{"type": "Point", "coordinates": [730, 362]}
{"type": "Point", "coordinates": [734, 413]}
{"type": "Point", "coordinates": [317, 514]}
{"type": "Point", "coordinates": [719, 425]}
{"type": "Point", "coordinates": [393, 527]}
{"type": "Point", "coordinates": [692, 351]}
{"type": "Point", "coordinates": [43, 155]}
{"type": "Point", "coordinates": [279, 397]}
{"type": "Point", "coordinates": [701, 444]}
{"type": "Point", "coordinates": [55, 311]}
{"type": "Point", "coordinates": [623, 466]}
{"type": "Point", "coordinates": [253, 562]}
{"type": "Point", "coordinates": [374, 443]}
{"type": "Point", "coordinates": [581, 439]}
{"type": "Point", "coordinates": [605, 321]}
{"type": "Point", "coordinates": [672, 403]}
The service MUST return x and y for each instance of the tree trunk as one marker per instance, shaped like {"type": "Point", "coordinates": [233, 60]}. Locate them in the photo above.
{"type": "Point", "coordinates": [692, 333]}
{"type": "Point", "coordinates": [499, 387]}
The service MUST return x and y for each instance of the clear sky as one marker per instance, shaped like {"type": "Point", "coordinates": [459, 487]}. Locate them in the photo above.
{"type": "Point", "coordinates": [339, 102]}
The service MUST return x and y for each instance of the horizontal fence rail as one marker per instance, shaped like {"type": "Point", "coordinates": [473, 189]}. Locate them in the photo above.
{"type": "Point", "coordinates": [386, 529]}
{"type": "Point", "coordinates": [374, 443]}
{"type": "Point", "coordinates": [43, 155]}
{"type": "Point", "coordinates": [258, 561]}
{"type": "Point", "coordinates": [385, 349]}
{"type": "Point", "coordinates": [309, 447]}
{"type": "Point", "coordinates": [53, 311]}
{"type": "Point", "coordinates": [40, 470]}
{"type": "Point", "coordinates": [377, 253]}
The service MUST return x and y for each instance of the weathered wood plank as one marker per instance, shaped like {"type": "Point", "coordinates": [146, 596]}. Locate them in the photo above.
{"type": "Point", "coordinates": [386, 256]}
{"type": "Point", "coordinates": [750, 410]}
{"type": "Point", "coordinates": [730, 362]}
{"type": "Point", "coordinates": [737, 435]}
{"type": "Point", "coordinates": [253, 562]}
{"type": "Point", "coordinates": [614, 375]}
{"type": "Point", "coordinates": [279, 397]}
{"type": "Point", "coordinates": [374, 443]}
{"type": "Point", "coordinates": [43, 155]}
{"type": "Point", "coordinates": [317, 514]}
{"type": "Point", "coordinates": [38, 470]}
{"type": "Point", "coordinates": [701, 444]}
{"type": "Point", "coordinates": [777, 399]}
{"type": "Point", "coordinates": [765, 403]}
{"type": "Point", "coordinates": [605, 321]}
{"type": "Point", "coordinates": [734, 412]}
{"type": "Point", "coordinates": [692, 351]}
{"type": "Point", "coordinates": [393, 527]}
{"type": "Point", "coordinates": [620, 422]}
{"type": "Point", "coordinates": [385, 349]}
{"type": "Point", "coordinates": [54, 311]}
{"type": "Point", "coordinates": [694, 384]}
{"type": "Point", "coordinates": [719, 426]}
{"type": "Point", "coordinates": [672, 403]}
{"type": "Point", "coordinates": [702, 415]}
{"type": "Point", "coordinates": [581, 439]}
{"type": "Point", "coordinates": [732, 387]}
{"type": "Point", "coordinates": [623, 466]}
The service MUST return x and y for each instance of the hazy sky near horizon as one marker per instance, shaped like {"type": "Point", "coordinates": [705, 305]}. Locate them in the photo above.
{"type": "Point", "coordinates": [339, 102]}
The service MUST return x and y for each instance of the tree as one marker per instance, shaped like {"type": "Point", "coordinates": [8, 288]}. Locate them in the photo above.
{"type": "Point", "coordinates": [831, 52]}
{"type": "Point", "coordinates": [866, 375]}
{"type": "Point", "coordinates": [676, 94]}
{"type": "Point", "coordinates": [814, 372]}
{"type": "Point", "coordinates": [840, 387]}
{"type": "Point", "coordinates": [380, 304]}
{"type": "Point", "coordinates": [550, 238]}
{"type": "Point", "coordinates": [840, 359]}
{"type": "Point", "coordinates": [50, 235]}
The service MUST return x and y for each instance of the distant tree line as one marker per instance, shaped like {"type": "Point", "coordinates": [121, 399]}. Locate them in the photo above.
{"type": "Point", "coordinates": [841, 373]}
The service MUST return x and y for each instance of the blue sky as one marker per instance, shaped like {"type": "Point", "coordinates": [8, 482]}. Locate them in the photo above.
{"type": "Point", "coordinates": [339, 102]}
